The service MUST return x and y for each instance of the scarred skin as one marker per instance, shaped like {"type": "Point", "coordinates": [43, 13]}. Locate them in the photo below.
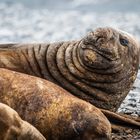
{"type": "Point", "coordinates": [12, 127]}
{"type": "Point", "coordinates": [57, 114]}
{"type": "Point", "coordinates": [100, 68]}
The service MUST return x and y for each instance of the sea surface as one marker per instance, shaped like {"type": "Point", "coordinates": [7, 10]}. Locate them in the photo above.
{"type": "Point", "coordinates": [58, 20]}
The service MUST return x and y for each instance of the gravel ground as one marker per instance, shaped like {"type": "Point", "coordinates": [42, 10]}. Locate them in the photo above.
{"type": "Point", "coordinates": [128, 134]}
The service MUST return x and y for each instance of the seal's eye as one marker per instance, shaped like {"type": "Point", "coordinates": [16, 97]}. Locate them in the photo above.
{"type": "Point", "coordinates": [124, 42]}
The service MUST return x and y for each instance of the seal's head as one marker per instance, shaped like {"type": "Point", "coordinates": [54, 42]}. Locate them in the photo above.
{"type": "Point", "coordinates": [110, 58]}
{"type": "Point", "coordinates": [107, 50]}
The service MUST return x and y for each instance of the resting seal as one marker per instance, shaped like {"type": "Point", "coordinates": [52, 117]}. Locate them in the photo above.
{"type": "Point", "coordinates": [57, 114]}
{"type": "Point", "coordinates": [12, 127]}
{"type": "Point", "coordinates": [100, 68]}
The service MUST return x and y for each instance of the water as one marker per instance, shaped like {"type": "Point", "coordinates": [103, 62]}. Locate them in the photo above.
{"type": "Point", "coordinates": [49, 21]}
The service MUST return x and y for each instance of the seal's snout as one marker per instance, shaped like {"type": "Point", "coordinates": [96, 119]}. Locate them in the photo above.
{"type": "Point", "coordinates": [103, 41]}
{"type": "Point", "coordinates": [106, 42]}
{"type": "Point", "coordinates": [106, 33]}
{"type": "Point", "coordinates": [96, 37]}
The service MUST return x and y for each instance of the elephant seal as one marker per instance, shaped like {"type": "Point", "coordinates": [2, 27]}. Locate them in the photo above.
{"type": "Point", "coordinates": [12, 127]}
{"type": "Point", "coordinates": [100, 68]}
{"type": "Point", "coordinates": [57, 114]}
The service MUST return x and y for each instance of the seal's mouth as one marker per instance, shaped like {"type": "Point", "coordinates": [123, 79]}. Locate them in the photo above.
{"type": "Point", "coordinates": [96, 60]}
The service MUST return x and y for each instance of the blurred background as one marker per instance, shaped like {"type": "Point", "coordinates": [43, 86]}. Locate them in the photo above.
{"type": "Point", "coordinates": [55, 20]}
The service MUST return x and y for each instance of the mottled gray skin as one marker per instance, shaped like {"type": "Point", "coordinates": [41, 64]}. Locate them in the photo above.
{"type": "Point", "coordinates": [98, 68]}
{"type": "Point", "coordinates": [12, 127]}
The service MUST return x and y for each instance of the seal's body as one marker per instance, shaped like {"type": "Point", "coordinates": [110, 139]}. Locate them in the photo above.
{"type": "Point", "coordinates": [12, 127]}
{"type": "Point", "coordinates": [100, 68]}
{"type": "Point", "coordinates": [57, 114]}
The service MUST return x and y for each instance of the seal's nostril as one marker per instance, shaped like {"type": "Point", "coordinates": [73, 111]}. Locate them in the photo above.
{"type": "Point", "coordinates": [99, 38]}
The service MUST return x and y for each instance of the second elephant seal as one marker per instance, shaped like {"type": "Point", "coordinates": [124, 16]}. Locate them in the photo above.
{"type": "Point", "coordinates": [99, 68]}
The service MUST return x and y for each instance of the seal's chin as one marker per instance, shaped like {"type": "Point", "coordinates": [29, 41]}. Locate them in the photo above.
{"type": "Point", "coordinates": [96, 61]}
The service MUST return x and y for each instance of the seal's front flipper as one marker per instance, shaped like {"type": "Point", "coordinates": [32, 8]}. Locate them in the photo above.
{"type": "Point", "coordinates": [123, 126]}
{"type": "Point", "coordinates": [121, 120]}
